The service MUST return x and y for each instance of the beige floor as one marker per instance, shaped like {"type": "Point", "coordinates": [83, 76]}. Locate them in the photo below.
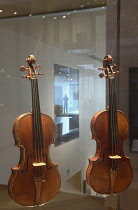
{"type": "Point", "coordinates": [63, 201]}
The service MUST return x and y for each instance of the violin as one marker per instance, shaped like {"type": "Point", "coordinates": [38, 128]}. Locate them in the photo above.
{"type": "Point", "coordinates": [35, 180]}
{"type": "Point", "coordinates": [109, 171]}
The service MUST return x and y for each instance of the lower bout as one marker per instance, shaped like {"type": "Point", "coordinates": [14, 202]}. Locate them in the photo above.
{"type": "Point", "coordinates": [105, 181]}
{"type": "Point", "coordinates": [25, 191]}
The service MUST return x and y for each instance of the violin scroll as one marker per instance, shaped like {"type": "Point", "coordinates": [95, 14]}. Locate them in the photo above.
{"type": "Point", "coordinates": [108, 68]}
{"type": "Point", "coordinates": [30, 68]}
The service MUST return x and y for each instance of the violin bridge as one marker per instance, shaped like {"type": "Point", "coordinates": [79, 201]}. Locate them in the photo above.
{"type": "Point", "coordinates": [115, 157]}
{"type": "Point", "coordinates": [39, 164]}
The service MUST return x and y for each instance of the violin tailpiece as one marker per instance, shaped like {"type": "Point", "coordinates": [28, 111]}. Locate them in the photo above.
{"type": "Point", "coordinates": [113, 176]}
{"type": "Point", "coordinates": [38, 186]}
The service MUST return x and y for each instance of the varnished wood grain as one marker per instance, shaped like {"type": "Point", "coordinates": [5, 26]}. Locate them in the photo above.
{"type": "Point", "coordinates": [21, 184]}
{"type": "Point", "coordinates": [99, 176]}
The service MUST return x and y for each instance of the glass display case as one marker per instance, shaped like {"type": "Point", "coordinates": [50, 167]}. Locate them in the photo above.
{"type": "Point", "coordinates": [69, 40]}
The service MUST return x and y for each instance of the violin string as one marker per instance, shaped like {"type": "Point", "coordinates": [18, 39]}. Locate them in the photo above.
{"type": "Point", "coordinates": [38, 127]}
{"type": "Point", "coordinates": [116, 132]}
{"type": "Point", "coordinates": [34, 131]}
{"type": "Point", "coordinates": [116, 152]}
{"type": "Point", "coordinates": [111, 127]}
{"type": "Point", "coordinates": [115, 125]}
{"type": "Point", "coordinates": [38, 134]}
{"type": "Point", "coordinates": [37, 121]}
{"type": "Point", "coordinates": [114, 119]}
{"type": "Point", "coordinates": [40, 140]}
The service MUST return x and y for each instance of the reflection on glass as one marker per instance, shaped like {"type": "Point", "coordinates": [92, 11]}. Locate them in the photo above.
{"type": "Point", "coordinates": [66, 83]}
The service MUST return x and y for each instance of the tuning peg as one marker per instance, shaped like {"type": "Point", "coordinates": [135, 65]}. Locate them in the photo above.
{"type": "Point", "coordinates": [23, 68]}
{"type": "Point", "coordinates": [101, 75]}
{"type": "Point", "coordinates": [39, 73]}
{"type": "Point", "coordinates": [37, 67]}
{"type": "Point", "coordinates": [24, 76]}
{"type": "Point", "coordinates": [101, 68]}
{"type": "Point", "coordinates": [114, 67]}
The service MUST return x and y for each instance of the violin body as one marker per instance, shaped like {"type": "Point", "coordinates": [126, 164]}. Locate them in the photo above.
{"type": "Point", "coordinates": [35, 180]}
{"type": "Point", "coordinates": [25, 186]}
{"type": "Point", "coordinates": [109, 171]}
{"type": "Point", "coordinates": [98, 175]}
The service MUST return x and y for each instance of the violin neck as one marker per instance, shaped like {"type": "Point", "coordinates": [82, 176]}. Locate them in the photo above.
{"type": "Point", "coordinates": [35, 97]}
{"type": "Point", "coordinates": [113, 112]}
{"type": "Point", "coordinates": [37, 127]}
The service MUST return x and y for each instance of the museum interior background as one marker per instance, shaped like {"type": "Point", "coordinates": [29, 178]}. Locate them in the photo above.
{"type": "Point", "coordinates": [69, 41]}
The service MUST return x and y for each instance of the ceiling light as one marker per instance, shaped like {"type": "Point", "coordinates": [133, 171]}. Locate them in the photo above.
{"type": "Point", "coordinates": [15, 13]}
{"type": "Point", "coordinates": [0, 10]}
{"type": "Point", "coordinates": [64, 16]}
{"type": "Point", "coordinates": [55, 18]}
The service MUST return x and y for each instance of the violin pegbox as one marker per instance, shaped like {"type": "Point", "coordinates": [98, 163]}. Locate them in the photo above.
{"type": "Point", "coordinates": [108, 68]}
{"type": "Point", "coordinates": [30, 68]}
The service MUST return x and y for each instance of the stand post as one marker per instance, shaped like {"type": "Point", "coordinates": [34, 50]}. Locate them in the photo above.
{"type": "Point", "coordinates": [112, 202]}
